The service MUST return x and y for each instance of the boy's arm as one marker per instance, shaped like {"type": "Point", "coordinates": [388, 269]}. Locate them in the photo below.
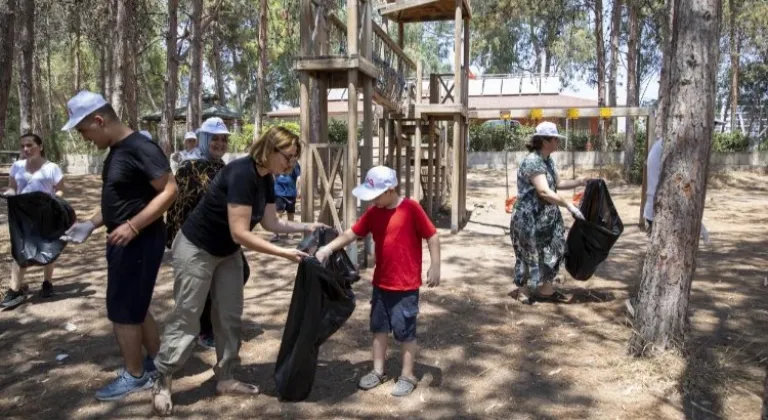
{"type": "Point", "coordinates": [340, 242]}
{"type": "Point", "coordinates": [433, 274]}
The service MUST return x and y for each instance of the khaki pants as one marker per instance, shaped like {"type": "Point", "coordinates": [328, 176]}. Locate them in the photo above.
{"type": "Point", "coordinates": [195, 272]}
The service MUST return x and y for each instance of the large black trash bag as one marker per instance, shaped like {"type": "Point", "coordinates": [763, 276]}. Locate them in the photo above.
{"type": "Point", "coordinates": [36, 221]}
{"type": "Point", "coordinates": [589, 241]}
{"type": "Point", "coordinates": [322, 302]}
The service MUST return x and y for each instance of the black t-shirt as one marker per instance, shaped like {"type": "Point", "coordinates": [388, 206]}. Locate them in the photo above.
{"type": "Point", "coordinates": [238, 183]}
{"type": "Point", "coordinates": [129, 169]}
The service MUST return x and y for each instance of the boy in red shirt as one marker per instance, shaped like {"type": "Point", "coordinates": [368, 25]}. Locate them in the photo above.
{"type": "Point", "coordinates": [398, 225]}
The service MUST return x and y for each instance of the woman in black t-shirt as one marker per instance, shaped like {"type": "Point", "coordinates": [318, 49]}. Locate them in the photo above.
{"type": "Point", "coordinates": [206, 258]}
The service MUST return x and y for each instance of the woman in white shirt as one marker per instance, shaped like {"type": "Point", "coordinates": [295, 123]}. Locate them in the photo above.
{"type": "Point", "coordinates": [32, 173]}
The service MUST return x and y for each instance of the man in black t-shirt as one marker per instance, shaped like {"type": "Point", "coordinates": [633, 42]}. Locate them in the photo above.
{"type": "Point", "coordinates": [137, 188]}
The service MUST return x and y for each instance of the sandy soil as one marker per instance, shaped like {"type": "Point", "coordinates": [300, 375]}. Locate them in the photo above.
{"type": "Point", "coordinates": [484, 355]}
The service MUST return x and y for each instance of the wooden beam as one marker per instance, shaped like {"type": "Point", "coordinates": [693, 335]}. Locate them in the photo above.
{"type": "Point", "coordinates": [417, 139]}
{"type": "Point", "coordinates": [441, 109]}
{"type": "Point", "coordinates": [336, 64]}
{"type": "Point", "coordinates": [430, 169]}
{"type": "Point", "coordinates": [455, 186]}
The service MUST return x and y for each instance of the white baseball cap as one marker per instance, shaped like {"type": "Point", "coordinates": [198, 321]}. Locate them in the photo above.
{"type": "Point", "coordinates": [547, 129]}
{"type": "Point", "coordinates": [213, 125]}
{"type": "Point", "coordinates": [377, 181]}
{"type": "Point", "coordinates": [190, 135]}
{"type": "Point", "coordinates": [146, 134]}
{"type": "Point", "coordinates": [82, 105]}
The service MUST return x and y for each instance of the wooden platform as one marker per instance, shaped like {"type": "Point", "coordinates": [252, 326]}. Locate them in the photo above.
{"type": "Point", "coordinates": [407, 11]}
{"type": "Point", "coordinates": [338, 64]}
{"type": "Point", "coordinates": [442, 112]}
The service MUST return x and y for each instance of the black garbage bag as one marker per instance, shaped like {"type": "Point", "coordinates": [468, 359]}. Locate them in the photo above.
{"type": "Point", "coordinates": [590, 240]}
{"type": "Point", "coordinates": [338, 262]}
{"type": "Point", "coordinates": [322, 302]}
{"type": "Point", "coordinates": [36, 222]}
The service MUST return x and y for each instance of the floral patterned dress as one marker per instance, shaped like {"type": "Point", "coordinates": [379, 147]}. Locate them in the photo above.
{"type": "Point", "coordinates": [537, 229]}
{"type": "Point", "coordinates": [192, 179]}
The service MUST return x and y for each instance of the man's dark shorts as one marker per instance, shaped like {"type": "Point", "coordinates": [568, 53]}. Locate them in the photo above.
{"type": "Point", "coordinates": [395, 312]}
{"type": "Point", "coordinates": [131, 274]}
{"type": "Point", "coordinates": [285, 204]}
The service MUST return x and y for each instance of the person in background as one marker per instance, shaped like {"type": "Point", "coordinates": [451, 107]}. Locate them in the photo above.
{"type": "Point", "coordinates": [398, 226]}
{"type": "Point", "coordinates": [190, 152]}
{"type": "Point", "coordinates": [286, 193]}
{"type": "Point", "coordinates": [207, 258]}
{"type": "Point", "coordinates": [137, 189]}
{"type": "Point", "coordinates": [193, 179]}
{"type": "Point", "coordinates": [536, 228]}
{"type": "Point", "coordinates": [33, 173]}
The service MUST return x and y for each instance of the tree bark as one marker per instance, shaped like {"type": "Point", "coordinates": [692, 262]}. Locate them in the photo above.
{"type": "Point", "coordinates": [661, 316]}
{"type": "Point", "coordinates": [734, 44]}
{"type": "Point", "coordinates": [110, 65]}
{"type": "Point", "coordinates": [600, 44]}
{"type": "Point", "coordinates": [765, 397]}
{"type": "Point", "coordinates": [78, 61]}
{"type": "Point", "coordinates": [614, 59]}
{"type": "Point", "coordinates": [119, 60]}
{"type": "Point", "coordinates": [49, 86]}
{"type": "Point", "coordinates": [217, 67]}
{"type": "Point", "coordinates": [196, 67]}
{"type": "Point", "coordinates": [261, 76]}
{"type": "Point", "coordinates": [663, 101]}
{"type": "Point", "coordinates": [26, 65]}
{"type": "Point", "coordinates": [7, 32]}
{"type": "Point", "coordinates": [632, 91]}
{"type": "Point", "coordinates": [171, 79]}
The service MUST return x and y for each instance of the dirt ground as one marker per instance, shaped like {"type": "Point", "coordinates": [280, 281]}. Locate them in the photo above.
{"type": "Point", "coordinates": [483, 355]}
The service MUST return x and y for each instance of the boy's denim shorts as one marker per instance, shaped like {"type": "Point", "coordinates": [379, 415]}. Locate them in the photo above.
{"type": "Point", "coordinates": [396, 312]}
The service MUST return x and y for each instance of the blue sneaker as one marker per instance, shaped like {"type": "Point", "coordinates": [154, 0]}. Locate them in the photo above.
{"type": "Point", "coordinates": [149, 367]}
{"type": "Point", "coordinates": [122, 386]}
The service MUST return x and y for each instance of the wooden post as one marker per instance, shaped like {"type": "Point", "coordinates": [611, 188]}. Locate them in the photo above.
{"type": "Point", "coordinates": [417, 141]}
{"type": "Point", "coordinates": [650, 129]}
{"type": "Point", "coordinates": [464, 120]}
{"type": "Point", "coordinates": [391, 144]}
{"type": "Point", "coordinates": [366, 162]}
{"type": "Point", "coordinates": [408, 169]}
{"type": "Point", "coordinates": [382, 138]}
{"type": "Point", "coordinates": [350, 166]}
{"type": "Point", "coordinates": [455, 187]}
{"type": "Point", "coordinates": [457, 61]}
{"type": "Point", "coordinates": [307, 181]}
{"type": "Point", "coordinates": [431, 168]}
{"type": "Point", "coordinates": [398, 155]}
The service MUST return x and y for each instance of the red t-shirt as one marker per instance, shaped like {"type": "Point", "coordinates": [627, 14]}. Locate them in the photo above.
{"type": "Point", "coordinates": [397, 234]}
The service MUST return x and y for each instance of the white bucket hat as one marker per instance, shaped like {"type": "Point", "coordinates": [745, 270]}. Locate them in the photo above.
{"type": "Point", "coordinates": [547, 129]}
{"type": "Point", "coordinates": [190, 135]}
{"type": "Point", "coordinates": [377, 181]}
{"type": "Point", "coordinates": [82, 105]}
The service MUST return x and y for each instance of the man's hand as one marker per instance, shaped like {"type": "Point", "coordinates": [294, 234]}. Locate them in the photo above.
{"type": "Point", "coordinates": [79, 232]}
{"type": "Point", "coordinates": [122, 235]}
{"type": "Point", "coordinates": [323, 253]}
{"type": "Point", "coordinates": [293, 254]}
{"type": "Point", "coordinates": [433, 275]}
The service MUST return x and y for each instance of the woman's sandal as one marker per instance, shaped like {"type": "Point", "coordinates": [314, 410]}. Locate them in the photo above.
{"type": "Point", "coordinates": [237, 388]}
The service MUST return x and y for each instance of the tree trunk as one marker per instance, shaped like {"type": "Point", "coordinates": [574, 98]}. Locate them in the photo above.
{"type": "Point", "coordinates": [734, 44]}
{"type": "Point", "coordinates": [600, 44]}
{"type": "Point", "coordinates": [26, 68]}
{"type": "Point", "coordinates": [217, 67]}
{"type": "Point", "coordinates": [119, 60]}
{"type": "Point", "coordinates": [261, 77]}
{"type": "Point", "coordinates": [7, 32]}
{"type": "Point", "coordinates": [78, 61]}
{"type": "Point", "coordinates": [130, 77]}
{"type": "Point", "coordinates": [171, 79]}
{"type": "Point", "coordinates": [632, 91]}
{"type": "Point", "coordinates": [614, 59]}
{"type": "Point", "coordinates": [49, 86]}
{"type": "Point", "coordinates": [196, 67]}
{"type": "Point", "coordinates": [765, 397]}
{"type": "Point", "coordinates": [663, 101]}
{"type": "Point", "coordinates": [109, 92]}
{"type": "Point", "coordinates": [661, 316]}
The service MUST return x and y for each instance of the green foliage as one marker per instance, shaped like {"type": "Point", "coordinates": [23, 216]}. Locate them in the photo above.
{"type": "Point", "coordinates": [730, 142]}
{"type": "Point", "coordinates": [238, 143]}
{"type": "Point", "coordinates": [636, 173]}
{"type": "Point", "coordinates": [497, 137]}
{"type": "Point", "coordinates": [338, 131]}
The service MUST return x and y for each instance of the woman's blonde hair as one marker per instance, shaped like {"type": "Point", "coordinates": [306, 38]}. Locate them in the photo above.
{"type": "Point", "coordinates": [276, 138]}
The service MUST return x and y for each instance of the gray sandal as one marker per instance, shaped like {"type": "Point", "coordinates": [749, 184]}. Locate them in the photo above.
{"type": "Point", "coordinates": [404, 386]}
{"type": "Point", "coordinates": [371, 380]}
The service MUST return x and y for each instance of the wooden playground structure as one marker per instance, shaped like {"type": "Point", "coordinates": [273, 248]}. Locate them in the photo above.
{"type": "Point", "coordinates": [344, 46]}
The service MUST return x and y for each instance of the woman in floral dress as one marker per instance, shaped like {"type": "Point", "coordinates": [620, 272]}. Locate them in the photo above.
{"type": "Point", "coordinates": [537, 229]}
